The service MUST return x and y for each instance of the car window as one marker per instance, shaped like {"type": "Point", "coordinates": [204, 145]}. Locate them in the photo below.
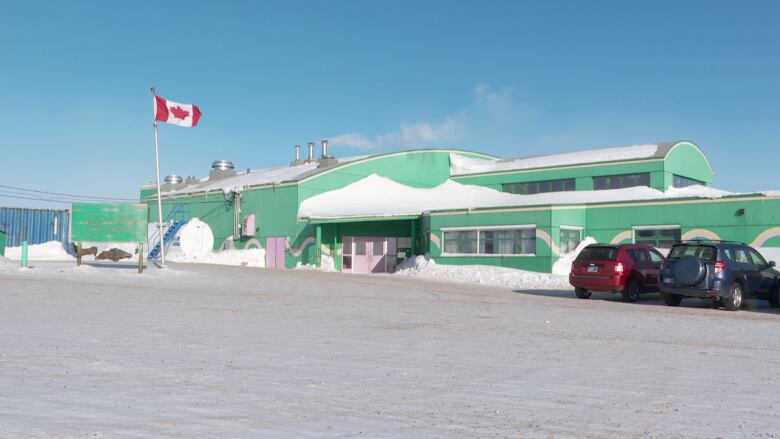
{"type": "Point", "coordinates": [704, 252]}
{"type": "Point", "coordinates": [741, 256]}
{"type": "Point", "coordinates": [604, 253]}
{"type": "Point", "coordinates": [655, 257]}
{"type": "Point", "coordinates": [757, 258]}
{"type": "Point", "coordinates": [729, 252]}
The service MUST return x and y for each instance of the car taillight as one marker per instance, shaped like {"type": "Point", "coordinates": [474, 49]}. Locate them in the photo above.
{"type": "Point", "coordinates": [619, 268]}
{"type": "Point", "coordinates": [720, 266]}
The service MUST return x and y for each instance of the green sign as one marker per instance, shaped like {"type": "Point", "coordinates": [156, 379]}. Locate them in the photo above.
{"type": "Point", "coordinates": [109, 222]}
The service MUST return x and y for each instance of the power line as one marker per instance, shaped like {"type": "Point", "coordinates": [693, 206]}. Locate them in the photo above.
{"type": "Point", "coordinates": [84, 197]}
{"type": "Point", "coordinates": [38, 199]}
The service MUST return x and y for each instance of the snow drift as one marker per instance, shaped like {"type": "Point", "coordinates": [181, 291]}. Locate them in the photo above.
{"type": "Point", "coordinates": [381, 196]}
{"type": "Point", "coordinates": [47, 251]}
{"type": "Point", "coordinates": [420, 266]}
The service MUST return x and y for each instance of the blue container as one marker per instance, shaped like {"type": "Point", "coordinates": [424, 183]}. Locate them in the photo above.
{"type": "Point", "coordinates": [36, 226]}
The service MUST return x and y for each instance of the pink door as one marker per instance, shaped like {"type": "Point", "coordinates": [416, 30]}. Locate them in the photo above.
{"type": "Point", "coordinates": [369, 255]}
{"type": "Point", "coordinates": [360, 259]}
{"type": "Point", "coordinates": [274, 252]}
{"type": "Point", "coordinates": [378, 255]}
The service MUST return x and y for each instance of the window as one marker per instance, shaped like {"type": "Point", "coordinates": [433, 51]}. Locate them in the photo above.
{"type": "Point", "coordinates": [704, 252]}
{"type": "Point", "coordinates": [360, 247]}
{"type": "Point", "coordinates": [570, 239]}
{"type": "Point", "coordinates": [741, 256]}
{"type": "Point", "coordinates": [600, 253]}
{"type": "Point", "coordinates": [538, 187]}
{"type": "Point", "coordinates": [655, 257]}
{"type": "Point", "coordinates": [507, 242]}
{"type": "Point", "coordinates": [757, 258]}
{"type": "Point", "coordinates": [680, 181]}
{"type": "Point", "coordinates": [621, 181]}
{"type": "Point", "coordinates": [638, 255]}
{"type": "Point", "coordinates": [346, 253]}
{"type": "Point", "coordinates": [660, 237]}
{"type": "Point", "coordinates": [503, 241]}
{"type": "Point", "coordinates": [460, 241]}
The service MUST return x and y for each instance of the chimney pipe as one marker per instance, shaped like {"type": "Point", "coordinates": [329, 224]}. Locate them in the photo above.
{"type": "Point", "coordinates": [297, 153]}
{"type": "Point", "coordinates": [311, 153]}
{"type": "Point", "coordinates": [324, 148]}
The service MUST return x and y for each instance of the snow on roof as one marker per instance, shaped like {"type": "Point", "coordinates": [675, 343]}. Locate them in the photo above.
{"type": "Point", "coordinates": [461, 165]}
{"type": "Point", "coordinates": [257, 177]}
{"type": "Point", "coordinates": [376, 196]}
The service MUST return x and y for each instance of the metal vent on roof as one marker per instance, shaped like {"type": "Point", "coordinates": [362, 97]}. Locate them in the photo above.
{"type": "Point", "coordinates": [173, 179]}
{"type": "Point", "coordinates": [221, 169]}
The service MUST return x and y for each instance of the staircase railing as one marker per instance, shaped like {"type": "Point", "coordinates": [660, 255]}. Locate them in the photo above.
{"type": "Point", "coordinates": [154, 242]}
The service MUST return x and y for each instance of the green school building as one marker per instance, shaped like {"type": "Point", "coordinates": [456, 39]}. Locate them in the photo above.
{"type": "Point", "coordinates": [368, 214]}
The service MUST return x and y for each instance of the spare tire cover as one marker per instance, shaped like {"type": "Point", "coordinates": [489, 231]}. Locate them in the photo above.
{"type": "Point", "coordinates": [689, 270]}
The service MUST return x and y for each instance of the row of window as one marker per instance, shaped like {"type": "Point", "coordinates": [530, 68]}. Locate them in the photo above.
{"type": "Point", "coordinates": [515, 241]}
{"type": "Point", "coordinates": [521, 241]}
{"type": "Point", "coordinates": [599, 183]}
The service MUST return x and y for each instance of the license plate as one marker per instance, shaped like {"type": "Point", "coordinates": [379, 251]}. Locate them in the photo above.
{"type": "Point", "coordinates": [593, 269]}
{"type": "Point", "coordinates": [668, 280]}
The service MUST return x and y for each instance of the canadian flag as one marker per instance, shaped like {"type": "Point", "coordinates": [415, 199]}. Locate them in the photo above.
{"type": "Point", "coordinates": [183, 115]}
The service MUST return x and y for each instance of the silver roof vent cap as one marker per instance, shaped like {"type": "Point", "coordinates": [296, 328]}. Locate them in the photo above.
{"type": "Point", "coordinates": [222, 165]}
{"type": "Point", "coordinates": [173, 179]}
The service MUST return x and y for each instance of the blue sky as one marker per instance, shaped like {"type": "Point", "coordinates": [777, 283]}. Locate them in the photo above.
{"type": "Point", "coordinates": [509, 78]}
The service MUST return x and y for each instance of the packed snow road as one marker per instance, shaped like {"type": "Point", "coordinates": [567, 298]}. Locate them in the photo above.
{"type": "Point", "coordinates": [208, 351]}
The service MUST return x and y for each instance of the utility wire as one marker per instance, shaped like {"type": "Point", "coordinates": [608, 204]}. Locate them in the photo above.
{"type": "Point", "coordinates": [39, 199]}
{"type": "Point", "coordinates": [84, 197]}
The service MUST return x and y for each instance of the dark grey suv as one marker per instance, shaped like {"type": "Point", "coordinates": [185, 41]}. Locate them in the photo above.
{"type": "Point", "coordinates": [724, 272]}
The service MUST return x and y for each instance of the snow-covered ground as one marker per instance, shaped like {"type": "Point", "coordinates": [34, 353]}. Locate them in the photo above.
{"type": "Point", "coordinates": [210, 351]}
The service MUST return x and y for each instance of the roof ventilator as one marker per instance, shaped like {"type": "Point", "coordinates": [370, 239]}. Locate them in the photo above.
{"type": "Point", "coordinates": [311, 153]}
{"type": "Point", "coordinates": [297, 160]}
{"type": "Point", "coordinates": [172, 182]}
{"type": "Point", "coordinates": [221, 169]}
{"type": "Point", "coordinates": [326, 160]}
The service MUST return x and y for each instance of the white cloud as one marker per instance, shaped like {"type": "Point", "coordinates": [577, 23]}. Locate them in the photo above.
{"type": "Point", "coordinates": [408, 135]}
{"type": "Point", "coordinates": [491, 113]}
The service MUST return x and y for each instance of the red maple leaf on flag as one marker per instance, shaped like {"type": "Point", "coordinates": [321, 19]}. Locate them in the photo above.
{"type": "Point", "coordinates": [179, 113]}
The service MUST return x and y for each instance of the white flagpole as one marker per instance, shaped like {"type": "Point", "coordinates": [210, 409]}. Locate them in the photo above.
{"type": "Point", "coordinates": [160, 225]}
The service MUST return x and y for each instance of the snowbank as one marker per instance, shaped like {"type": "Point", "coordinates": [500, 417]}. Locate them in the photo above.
{"type": "Point", "coordinates": [327, 263]}
{"type": "Point", "coordinates": [48, 251]}
{"type": "Point", "coordinates": [562, 266]}
{"type": "Point", "coordinates": [360, 198]}
{"type": "Point", "coordinates": [420, 266]}
{"type": "Point", "coordinates": [254, 257]}
{"type": "Point", "coordinates": [460, 165]}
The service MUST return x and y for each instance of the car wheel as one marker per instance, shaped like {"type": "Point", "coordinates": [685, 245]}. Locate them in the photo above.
{"type": "Point", "coordinates": [774, 298]}
{"type": "Point", "coordinates": [582, 293]}
{"type": "Point", "coordinates": [672, 299]}
{"type": "Point", "coordinates": [631, 291]}
{"type": "Point", "coordinates": [734, 301]}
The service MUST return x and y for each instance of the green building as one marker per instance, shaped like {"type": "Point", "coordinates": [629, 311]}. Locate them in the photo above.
{"type": "Point", "coordinates": [367, 214]}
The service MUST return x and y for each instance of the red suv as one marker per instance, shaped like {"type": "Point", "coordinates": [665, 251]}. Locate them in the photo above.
{"type": "Point", "coordinates": [630, 269]}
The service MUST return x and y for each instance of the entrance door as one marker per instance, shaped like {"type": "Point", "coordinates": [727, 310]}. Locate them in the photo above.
{"type": "Point", "coordinates": [274, 252]}
{"type": "Point", "coordinates": [370, 255]}
{"type": "Point", "coordinates": [377, 262]}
